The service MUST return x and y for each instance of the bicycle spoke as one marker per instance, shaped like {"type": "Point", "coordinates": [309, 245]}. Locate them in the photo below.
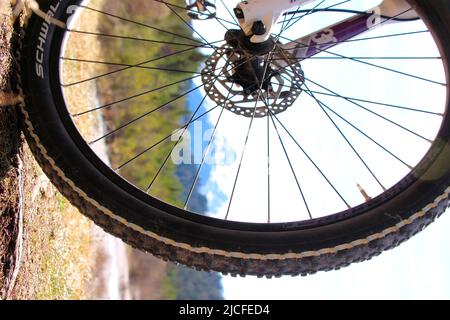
{"type": "Point", "coordinates": [242, 157]}
{"type": "Point", "coordinates": [363, 58]}
{"type": "Point", "coordinates": [368, 38]}
{"type": "Point", "coordinates": [117, 64]}
{"type": "Point", "coordinates": [167, 137]}
{"type": "Point", "coordinates": [372, 112]}
{"type": "Point", "coordinates": [348, 141]}
{"type": "Point", "coordinates": [379, 103]}
{"type": "Point", "coordinates": [284, 25]}
{"type": "Point", "coordinates": [311, 11]}
{"type": "Point", "coordinates": [146, 114]}
{"type": "Point", "coordinates": [176, 31]}
{"type": "Point", "coordinates": [368, 64]}
{"type": "Point", "coordinates": [124, 69]}
{"type": "Point", "coordinates": [133, 97]}
{"type": "Point", "coordinates": [360, 131]}
{"type": "Point", "coordinates": [220, 22]}
{"type": "Point", "coordinates": [180, 138]}
{"type": "Point", "coordinates": [291, 166]}
{"type": "Point", "coordinates": [367, 101]}
{"type": "Point", "coordinates": [285, 19]}
{"type": "Point", "coordinates": [374, 26]}
{"type": "Point", "coordinates": [192, 120]}
{"type": "Point", "coordinates": [186, 9]}
{"type": "Point", "coordinates": [161, 106]}
{"type": "Point", "coordinates": [349, 11]}
{"type": "Point", "coordinates": [161, 168]}
{"type": "Point", "coordinates": [213, 136]}
{"type": "Point", "coordinates": [140, 24]}
{"type": "Point", "coordinates": [268, 171]}
{"type": "Point", "coordinates": [141, 39]}
{"type": "Point", "coordinates": [371, 64]}
{"type": "Point", "coordinates": [260, 85]}
{"type": "Point", "coordinates": [266, 103]}
{"type": "Point", "coordinates": [384, 36]}
{"type": "Point", "coordinates": [226, 21]}
{"type": "Point", "coordinates": [310, 159]}
{"type": "Point", "coordinates": [197, 174]}
{"type": "Point", "coordinates": [184, 21]}
{"type": "Point", "coordinates": [230, 13]}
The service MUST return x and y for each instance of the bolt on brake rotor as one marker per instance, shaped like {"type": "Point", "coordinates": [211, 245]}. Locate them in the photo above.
{"type": "Point", "coordinates": [280, 94]}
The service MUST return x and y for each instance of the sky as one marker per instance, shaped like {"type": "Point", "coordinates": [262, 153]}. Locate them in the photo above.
{"type": "Point", "coordinates": [319, 137]}
{"type": "Point", "coordinates": [417, 269]}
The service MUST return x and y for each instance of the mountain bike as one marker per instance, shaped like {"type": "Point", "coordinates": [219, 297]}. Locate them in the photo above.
{"type": "Point", "coordinates": [260, 137]}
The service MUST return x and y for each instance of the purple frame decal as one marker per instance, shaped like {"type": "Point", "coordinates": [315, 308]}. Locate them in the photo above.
{"type": "Point", "coordinates": [330, 36]}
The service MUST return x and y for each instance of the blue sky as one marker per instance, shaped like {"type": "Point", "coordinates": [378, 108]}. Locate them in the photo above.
{"type": "Point", "coordinates": [205, 125]}
{"type": "Point", "coordinates": [417, 269]}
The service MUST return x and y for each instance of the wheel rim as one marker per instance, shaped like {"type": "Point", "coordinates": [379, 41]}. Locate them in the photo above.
{"type": "Point", "coordinates": [278, 144]}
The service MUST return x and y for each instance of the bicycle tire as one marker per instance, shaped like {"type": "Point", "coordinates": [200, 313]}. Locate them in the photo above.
{"type": "Point", "coordinates": [206, 244]}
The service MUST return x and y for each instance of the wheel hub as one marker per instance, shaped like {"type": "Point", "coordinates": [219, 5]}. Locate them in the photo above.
{"type": "Point", "coordinates": [238, 78]}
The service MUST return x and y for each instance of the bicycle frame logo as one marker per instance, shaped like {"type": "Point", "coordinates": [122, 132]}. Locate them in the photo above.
{"type": "Point", "coordinates": [201, 147]}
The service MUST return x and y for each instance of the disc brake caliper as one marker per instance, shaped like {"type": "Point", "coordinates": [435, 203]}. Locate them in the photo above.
{"type": "Point", "coordinates": [201, 9]}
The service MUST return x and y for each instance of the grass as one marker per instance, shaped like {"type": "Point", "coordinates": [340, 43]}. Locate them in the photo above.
{"type": "Point", "coordinates": [170, 289]}
{"type": "Point", "coordinates": [9, 147]}
{"type": "Point", "coordinates": [56, 247]}
{"type": "Point", "coordinates": [134, 139]}
{"type": "Point", "coordinates": [58, 253]}
{"type": "Point", "coordinates": [62, 250]}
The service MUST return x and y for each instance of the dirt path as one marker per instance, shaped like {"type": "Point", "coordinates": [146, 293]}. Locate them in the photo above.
{"type": "Point", "coordinates": [9, 163]}
{"type": "Point", "coordinates": [48, 250]}
{"type": "Point", "coordinates": [111, 270]}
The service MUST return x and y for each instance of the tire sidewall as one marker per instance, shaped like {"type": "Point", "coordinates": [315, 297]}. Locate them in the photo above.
{"type": "Point", "coordinates": [55, 135]}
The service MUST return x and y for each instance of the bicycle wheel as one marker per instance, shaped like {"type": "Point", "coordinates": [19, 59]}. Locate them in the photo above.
{"type": "Point", "coordinates": [159, 124]}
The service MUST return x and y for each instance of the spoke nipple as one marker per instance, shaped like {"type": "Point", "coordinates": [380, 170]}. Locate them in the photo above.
{"type": "Point", "coordinates": [364, 193]}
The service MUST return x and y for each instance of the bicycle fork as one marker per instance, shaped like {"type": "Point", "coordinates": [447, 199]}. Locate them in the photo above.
{"type": "Point", "coordinates": [257, 17]}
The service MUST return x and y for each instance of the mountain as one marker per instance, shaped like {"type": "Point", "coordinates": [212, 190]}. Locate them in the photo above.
{"type": "Point", "coordinates": [189, 284]}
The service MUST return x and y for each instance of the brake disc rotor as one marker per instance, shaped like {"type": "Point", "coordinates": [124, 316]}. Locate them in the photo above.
{"type": "Point", "coordinates": [281, 93]}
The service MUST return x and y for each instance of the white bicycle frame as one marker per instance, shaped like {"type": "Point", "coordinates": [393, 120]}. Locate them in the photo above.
{"type": "Point", "coordinates": [270, 11]}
